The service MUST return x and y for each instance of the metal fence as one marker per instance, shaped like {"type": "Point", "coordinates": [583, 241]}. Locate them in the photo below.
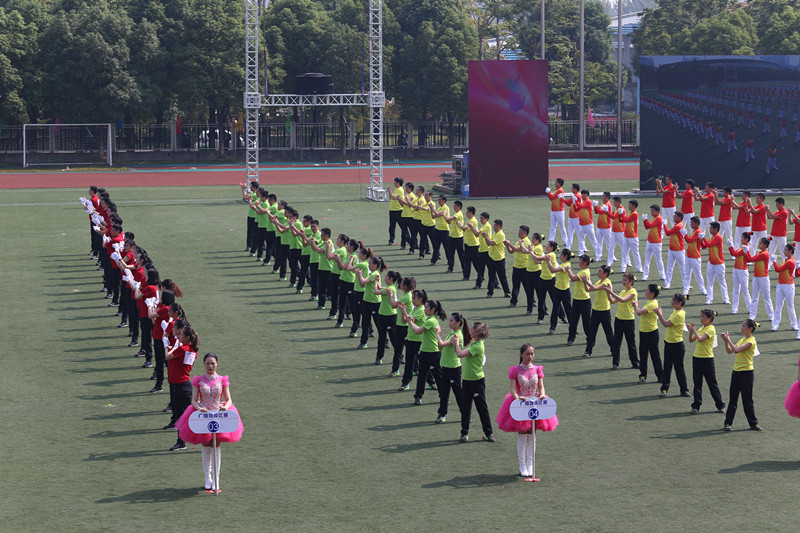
{"type": "Point", "coordinates": [327, 136]}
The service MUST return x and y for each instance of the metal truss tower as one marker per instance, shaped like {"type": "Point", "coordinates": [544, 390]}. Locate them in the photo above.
{"type": "Point", "coordinates": [375, 99]}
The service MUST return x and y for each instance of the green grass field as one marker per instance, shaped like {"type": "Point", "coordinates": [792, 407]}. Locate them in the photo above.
{"type": "Point", "coordinates": [329, 443]}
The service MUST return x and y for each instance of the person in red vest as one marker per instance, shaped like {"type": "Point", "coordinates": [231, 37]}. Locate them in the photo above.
{"type": "Point", "coordinates": [652, 248]}
{"type": "Point", "coordinates": [778, 233]}
{"type": "Point", "coordinates": [784, 293]}
{"type": "Point", "coordinates": [556, 198]}
{"type": "Point", "coordinates": [715, 268]}
{"type": "Point", "coordinates": [741, 276]}
{"type": "Point", "coordinates": [667, 192]}
{"type": "Point", "coordinates": [759, 213]}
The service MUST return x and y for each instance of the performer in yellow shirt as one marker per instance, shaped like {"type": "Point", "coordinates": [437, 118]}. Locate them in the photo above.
{"type": "Point", "coordinates": [742, 377]}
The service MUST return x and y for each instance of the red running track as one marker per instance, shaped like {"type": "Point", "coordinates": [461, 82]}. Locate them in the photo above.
{"type": "Point", "coordinates": [584, 170]}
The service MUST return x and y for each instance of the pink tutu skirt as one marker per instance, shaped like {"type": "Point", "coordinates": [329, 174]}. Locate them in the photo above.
{"type": "Point", "coordinates": [186, 434]}
{"type": "Point", "coordinates": [509, 425]}
{"type": "Point", "coordinates": [792, 401]}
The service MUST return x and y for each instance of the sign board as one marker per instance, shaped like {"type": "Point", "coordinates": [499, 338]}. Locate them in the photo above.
{"type": "Point", "coordinates": [214, 422]}
{"type": "Point", "coordinates": [533, 409]}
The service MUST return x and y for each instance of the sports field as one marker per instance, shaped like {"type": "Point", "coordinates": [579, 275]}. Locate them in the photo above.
{"type": "Point", "coordinates": [329, 443]}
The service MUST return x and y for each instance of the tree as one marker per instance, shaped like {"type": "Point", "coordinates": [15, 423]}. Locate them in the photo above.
{"type": "Point", "coordinates": [431, 61]}
{"type": "Point", "coordinates": [724, 34]}
{"type": "Point", "coordinates": [562, 35]}
{"type": "Point", "coordinates": [17, 39]}
{"type": "Point", "coordinates": [781, 35]}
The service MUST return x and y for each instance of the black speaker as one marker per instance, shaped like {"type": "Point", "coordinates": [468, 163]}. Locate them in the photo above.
{"type": "Point", "coordinates": [314, 83]}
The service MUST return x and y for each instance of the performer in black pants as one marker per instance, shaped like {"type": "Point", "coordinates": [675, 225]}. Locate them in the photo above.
{"type": "Point", "coordinates": [625, 321]}
{"type": "Point", "coordinates": [742, 377]}
{"type": "Point", "coordinates": [703, 361]}
{"type": "Point", "coordinates": [581, 300]}
{"type": "Point", "coordinates": [248, 195]}
{"type": "Point", "coordinates": [559, 291]}
{"type": "Point", "coordinates": [483, 249]}
{"type": "Point", "coordinates": [473, 383]}
{"type": "Point", "coordinates": [601, 310]}
{"type": "Point", "coordinates": [395, 209]}
{"type": "Point", "coordinates": [648, 333]}
{"type": "Point", "coordinates": [454, 243]}
{"type": "Point", "coordinates": [674, 348]}
{"type": "Point", "coordinates": [471, 243]}
{"type": "Point", "coordinates": [497, 259]}
{"type": "Point", "coordinates": [407, 217]}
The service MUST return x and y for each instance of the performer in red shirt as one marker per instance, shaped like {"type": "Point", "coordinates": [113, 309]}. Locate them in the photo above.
{"type": "Point", "coordinates": [676, 253]}
{"type": "Point", "coordinates": [557, 210]}
{"type": "Point", "coordinates": [605, 236]}
{"type": "Point", "coordinates": [693, 259]}
{"type": "Point", "coordinates": [725, 215]}
{"type": "Point", "coordinates": [180, 360]}
{"type": "Point", "coordinates": [667, 192]}
{"type": "Point", "coordinates": [760, 278]}
{"type": "Point", "coordinates": [784, 293]}
{"type": "Point", "coordinates": [743, 218]}
{"type": "Point", "coordinates": [584, 207]}
{"type": "Point", "coordinates": [573, 219]}
{"type": "Point", "coordinates": [617, 214]}
{"type": "Point", "coordinates": [631, 221]}
{"type": "Point", "coordinates": [778, 233]}
{"type": "Point", "coordinates": [759, 213]}
{"type": "Point", "coordinates": [715, 269]}
{"type": "Point", "coordinates": [652, 248]}
{"type": "Point", "coordinates": [687, 199]}
{"type": "Point", "coordinates": [741, 276]}
{"type": "Point", "coordinates": [707, 200]}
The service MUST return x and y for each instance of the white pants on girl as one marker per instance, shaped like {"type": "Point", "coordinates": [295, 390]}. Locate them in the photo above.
{"type": "Point", "coordinates": [693, 267]}
{"type": "Point", "coordinates": [761, 289]}
{"type": "Point", "coordinates": [737, 235]}
{"type": "Point", "coordinates": [632, 247]}
{"type": "Point", "coordinates": [741, 280]}
{"type": "Point", "coordinates": [653, 250]}
{"type": "Point", "coordinates": [725, 229]}
{"type": "Point", "coordinates": [605, 239]}
{"type": "Point", "coordinates": [587, 231]}
{"type": "Point", "coordinates": [619, 240]}
{"type": "Point", "coordinates": [776, 246]}
{"type": "Point", "coordinates": [716, 272]}
{"type": "Point", "coordinates": [784, 294]}
{"type": "Point", "coordinates": [557, 221]}
{"type": "Point", "coordinates": [679, 258]}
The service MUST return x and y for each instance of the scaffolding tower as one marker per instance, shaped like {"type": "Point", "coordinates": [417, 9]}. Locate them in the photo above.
{"type": "Point", "coordinates": [375, 99]}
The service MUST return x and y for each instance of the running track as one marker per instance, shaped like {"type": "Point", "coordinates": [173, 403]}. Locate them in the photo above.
{"type": "Point", "coordinates": [293, 173]}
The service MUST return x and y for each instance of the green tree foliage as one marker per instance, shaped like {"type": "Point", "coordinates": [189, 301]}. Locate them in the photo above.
{"type": "Point", "coordinates": [723, 34]}
{"type": "Point", "coordinates": [781, 34]}
{"type": "Point", "coordinates": [562, 34]}
{"type": "Point", "coordinates": [17, 39]}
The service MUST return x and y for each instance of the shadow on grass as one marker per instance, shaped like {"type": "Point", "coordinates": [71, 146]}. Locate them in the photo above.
{"type": "Point", "coordinates": [366, 394]}
{"type": "Point", "coordinates": [110, 382]}
{"type": "Point", "coordinates": [409, 425]}
{"type": "Point", "coordinates": [136, 454]}
{"type": "Point", "coordinates": [108, 434]}
{"type": "Point", "coordinates": [661, 416]}
{"type": "Point", "coordinates": [691, 435]}
{"type": "Point", "coordinates": [474, 482]}
{"type": "Point", "coordinates": [119, 416]}
{"type": "Point", "coordinates": [73, 318]}
{"type": "Point", "coordinates": [102, 369]}
{"type": "Point", "coordinates": [369, 408]}
{"type": "Point", "coordinates": [606, 386]}
{"type": "Point", "coordinates": [348, 381]}
{"type": "Point", "coordinates": [95, 349]}
{"type": "Point", "coordinates": [339, 367]}
{"type": "Point", "coordinates": [622, 401]}
{"type": "Point", "coordinates": [403, 448]}
{"type": "Point", "coordinates": [85, 339]}
{"type": "Point", "coordinates": [72, 330]}
{"type": "Point", "coordinates": [154, 496]}
{"type": "Point", "coordinates": [763, 466]}
{"type": "Point", "coordinates": [104, 397]}
{"type": "Point", "coordinates": [576, 373]}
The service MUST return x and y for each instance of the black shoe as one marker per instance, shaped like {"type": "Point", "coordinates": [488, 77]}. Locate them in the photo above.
{"type": "Point", "coordinates": [147, 364]}
{"type": "Point", "coordinates": [132, 344]}
{"type": "Point", "coordinates": [169, 426]}
{"type": "Point", "coordinates": [489, 437]}
{"type": "Point", "coordinates": [153, 376]}
{"type": "Point", "coordinates": [167, 409]}
{"type": "Point", "coordinates": [123, 325]}
{"type": "Point", "coordinates": [140, 353]}
{"type": "Point", "coordinates": [118, 313]}
{"type": "Point", "coordinates": [157, 388]}
{"type": "Point", "coordinates": [178, 446]}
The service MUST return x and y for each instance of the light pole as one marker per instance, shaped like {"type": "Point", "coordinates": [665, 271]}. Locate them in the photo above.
{"type": "Point", "coordinates": [619, 75]}
{"type": "Point", "coordinates": [582, 123]}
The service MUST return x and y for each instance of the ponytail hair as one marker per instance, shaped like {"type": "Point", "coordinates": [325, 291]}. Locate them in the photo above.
{"type": "Point", "coordinates": [752, 324]}
{"type": "Point", "coordinates": [421, 294]}
{"type": "Point", "coordinates": [606, 269]}
{"type": "Point", "coordinates": [408, 284]}
{"type": "Point", "coordinates": [553, 245]}
{"type": "Point", "coordinates": [790, 247]}
{"type": "Point", "coordinates": [747, 235]}
{"type": "Point", "coordinates": [189, 332]}
{"type": "Point", "coordinates": [379, 262]}
{"type": "Point", "coordinates": [175, 307]}
{"type": "Point", "coordinates": [458, 317]}
{"type": "Point", "coordinates": [655, 289]}
{"type": "Point", "coordinates": [586, 259]}
{"type": "Point", "coordinates": [709, 314]}
{"type": "Point", "coordinates": [394, 276]}
{"type": "Point", "coordinates": [536, 237]}
{"type": "Point", "coordinates": [367, 252]}
{"type": "Point", "coordinates": [167, 298]}
{"type": "Point", "coordinates": [567, 254]}
{"type": "Point", "coordinates": [680, 298]}
{"type": "Point", "coordinates": [765, 241]}
{"type": "Point", "coordinates": [342, 237]}
{"type": "Point", "coordinates": [481, 331]}
{"type": "Point", "coordinates": [630, 277]}
{"type": "Point", "coordinates": [153, 278]}
{"type": "Point", "coordinates": [169, 285]}
{"type": "Point", "coordinates": [436, 306]}
{"type": "Point", "coordinates": [353, 244]}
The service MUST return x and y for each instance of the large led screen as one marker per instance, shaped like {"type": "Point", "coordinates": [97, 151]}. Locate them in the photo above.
{"type": "Point", "coordinates": [508, 133]}
{"type": "Point", "coordinates": [733, 120]}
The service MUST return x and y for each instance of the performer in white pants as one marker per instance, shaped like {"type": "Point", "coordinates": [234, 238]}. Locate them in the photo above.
{"type": "Point", "coordinates": [572, 218]}
{"type": "Point", "coordinates": [676, 255]}
{"type": "Point", "coordinates": [668, 192]}
{"type": "Point", "coordinates": [618, 230]}
{"type": "Point", "coordinates": [707, 200]}
{"type": "Point", "coordinates": [652, 248]}
{"type": "Point", "coordinates": [759, 217]}
{"type": "Point", "coordinates": [760, 278]}
{"type": "Point", "coordinates": [784, 293]}
{"type": "Point", "coordinates": [725, 213]}
{"type": "Point", "coordinates": [779, 222]}
{"type": "Point", "coordinates": [743, 216]}
{"type": "Point", "coordinates": [715, 268]}
{"type": "Point", "coordinates": [741, 276]}
{"type": "Point", "coordinates": [584, 207]}
{"type": "Point", "coordinates": [631, 221]}
{"type": "Point", "coordinates": [557, 210]}
{"type": "Point", "coordinates": [605, 237]}
{"type": "Point", "coordinates": [693, 260]}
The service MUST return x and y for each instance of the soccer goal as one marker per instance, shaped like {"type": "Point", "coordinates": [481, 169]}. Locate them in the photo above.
{"type": "Point", "coordinates": [66, 144]}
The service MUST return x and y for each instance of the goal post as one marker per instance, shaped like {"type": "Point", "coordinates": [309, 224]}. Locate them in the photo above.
{"type": "Point", "coordinates": [67, 144]}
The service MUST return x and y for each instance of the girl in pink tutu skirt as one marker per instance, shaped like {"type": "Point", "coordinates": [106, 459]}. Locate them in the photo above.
{"type": "Point", "coordinates": [210, 392]}
{"type": "Point", "coordinates": [792, 402]}
{"type": "Point", "coordinates": [527, 381]}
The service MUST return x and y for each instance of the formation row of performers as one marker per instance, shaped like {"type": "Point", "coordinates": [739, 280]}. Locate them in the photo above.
{"type": "Point", "coordinates": [147, 306]}
{"type": "Point", "coordinates": [381, 303]}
